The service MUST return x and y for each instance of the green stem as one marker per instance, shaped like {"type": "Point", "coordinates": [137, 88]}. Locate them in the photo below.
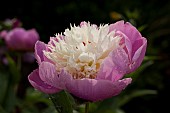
{"type": "Point", "coordinates": [19, 58]}
{"type": "Point", "coordinates": [87, 107]}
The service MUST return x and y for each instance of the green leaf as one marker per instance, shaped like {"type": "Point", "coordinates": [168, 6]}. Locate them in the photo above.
{"type": "Point", "coordinates": [13, 70]}
{"type": "Point", "coordinates": [152, 58]}
{"type": "Point", "coordinates": [10, 99]}
{"type": "Point", "coordinates": [35, 96]}
{"type": "Point", "coordinates": [119, 111]}
{"type": "Point", "coordinates": [125, 99]}
{"type": "Point", "coordinates": [141, 28]}
{"type": "Point", "coordinates": [2, 110]}
{"type": "Point", "coordinates": [106, 106]}
{"type": "Point", "coordinates": [114, 104]}
{"type": "Point", "coordinates": [3, 85]}
{"type": "Point", "coordinates": [50, 110]}
{"type": "Point", "coordinates": [32, 99]}
{"type": "Point", "coordinates": [63, 102]}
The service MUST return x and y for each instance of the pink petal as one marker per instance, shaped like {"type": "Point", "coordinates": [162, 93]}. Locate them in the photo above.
{"type": "Point", "coordinates": [39, 47]}
{"type": "Point", "coordinates": [137, 44]}
{"type": "Point", "coordinates": [95, 90]}
{"type": "Point", "coordinates": [64, 78]}
{"type": "Point", "coordinates": [83, 23]}
{"type": "Point", "coordinates": [125, 40]}
{"type": "Point", "coordinates": [115, 66]}
{"type": "Point", "coordinates": [139, 55]}
{"type": "Point", "coordinates": [40, 85]}
{"type": "Point", "coordinates": [130, 31]}
{"type": "Point", "coordinates": [49, 75]}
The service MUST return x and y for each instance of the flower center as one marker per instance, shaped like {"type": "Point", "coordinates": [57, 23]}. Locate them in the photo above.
{"type": "Point", "coordinates": [82, 49]}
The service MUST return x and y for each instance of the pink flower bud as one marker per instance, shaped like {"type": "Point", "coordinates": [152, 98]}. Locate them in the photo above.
{"type": "Point", "coordinates": [21, 40]}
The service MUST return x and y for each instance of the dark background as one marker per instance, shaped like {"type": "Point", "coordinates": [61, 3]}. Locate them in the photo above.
{"type": "Point", "coordinates": [52, 16]}
{"type": "Point", "coordinates": [152, 17]}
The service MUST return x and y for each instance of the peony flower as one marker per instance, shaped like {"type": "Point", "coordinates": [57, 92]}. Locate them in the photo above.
{"type": "Point", "coordinates": [89, 62]}
{"type": "Point", "coordinates": [21, 40]}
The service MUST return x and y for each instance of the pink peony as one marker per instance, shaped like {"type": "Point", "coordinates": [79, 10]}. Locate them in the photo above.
{"type": "Point", "coordinates": [21, 39]}
{"type": "Point", "coordinates": [89, 61]}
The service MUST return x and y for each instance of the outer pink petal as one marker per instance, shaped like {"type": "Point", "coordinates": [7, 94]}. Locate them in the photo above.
{"type": "Point", "coordinates": [49, 75]}
{"type": "Point", "coordinates": [95, 90]}
{"type": "Point", "coordinates": [139, 55]}
{"type": "Point", "coordinates": [40, 85]}
{"type": "Point", "coordinates": [39, 47]}
{"type": "Point", "coordinates": [115, 66]}
{"type": "Point", "coordinates": [130, 31]}
{"type": "Point", "coordinates": [127, 42]}
{"type": "Point", "coordinates": [137, 44]}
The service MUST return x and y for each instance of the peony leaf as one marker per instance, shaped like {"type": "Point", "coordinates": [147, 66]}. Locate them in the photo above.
{"type": "Point", "coordinates": [13, 70]}
{"type": "Point", "coordinates": [2, 110]}
{"type": "Point", "coordinates": [3, 85]}
{"type": "Point", "coordinates": [10, 99]}
{"type": "Point", "coordinates": [62, 101]}
{"type": "Point", "coordinates": [125, 99]}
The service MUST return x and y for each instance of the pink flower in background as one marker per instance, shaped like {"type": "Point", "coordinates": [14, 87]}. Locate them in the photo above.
{"type": "Point", "coordinates": [89, 61]}
{"type": "Point", "coordinates": [21, 40]}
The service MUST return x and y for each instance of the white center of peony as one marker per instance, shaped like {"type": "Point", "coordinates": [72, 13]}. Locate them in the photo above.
{"type": "Point", "coordinates": [82, 49]}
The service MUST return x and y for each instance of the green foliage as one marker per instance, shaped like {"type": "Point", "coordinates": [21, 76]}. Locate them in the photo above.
{"type": "Point", "coordinates": [62, 102]}
{"type": "Point", "coordinates": [3, 85]}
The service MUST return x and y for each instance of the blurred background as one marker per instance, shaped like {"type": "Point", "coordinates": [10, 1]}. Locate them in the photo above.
{"type": "Point", "coordinates": [149, 91]}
